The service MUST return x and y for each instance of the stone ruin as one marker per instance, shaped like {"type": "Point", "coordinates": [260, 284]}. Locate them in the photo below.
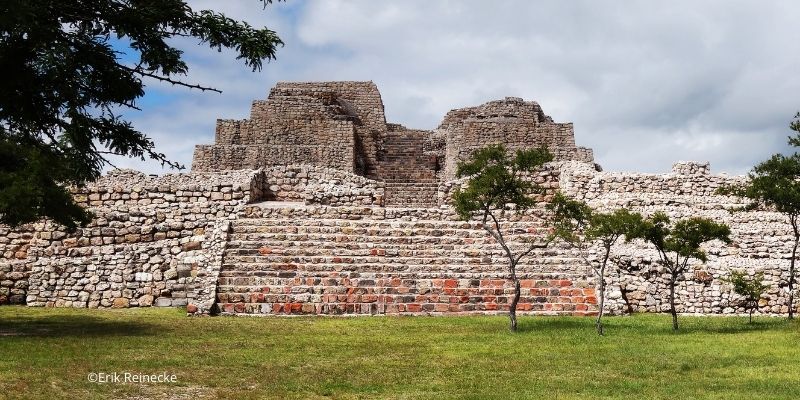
{"type": "Point", "coordinates": [341, 125]}
{"type": "Point", "coordinates": [317, 205]}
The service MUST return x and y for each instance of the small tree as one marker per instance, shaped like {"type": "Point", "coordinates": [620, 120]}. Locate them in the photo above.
{"type": "Point", "coordinates": [496, 181]}
{"type": "Point", "coordinates": [678, 244]}
{"type": "Point", "coordinates": [775, 184]}
{"type": "Point", "coordinates": [751, 289]}
{"type": "Point", "coordinates": [581, 227]}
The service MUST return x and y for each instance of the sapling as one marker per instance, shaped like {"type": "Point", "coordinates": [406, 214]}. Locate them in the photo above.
{"type": "Point", "coordinates": [582, 227]}
{"type": "Point", "coordinates": [750, 288]}
{"type": "Point", "coordinates": [496, 181]}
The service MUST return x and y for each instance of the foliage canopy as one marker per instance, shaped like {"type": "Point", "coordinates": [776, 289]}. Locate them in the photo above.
{"type": "Point", "coordinates": [496, 180]}
{"type": "Point", "coordinates": [65, 84]}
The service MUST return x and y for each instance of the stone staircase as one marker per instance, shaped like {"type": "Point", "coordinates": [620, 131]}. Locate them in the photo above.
{"type": "Point", "coordinates": [409, 176]}
{"type": "Point", "coordinates": [284, 262]}
{"type": "Point", "coordinates": [420, 194]}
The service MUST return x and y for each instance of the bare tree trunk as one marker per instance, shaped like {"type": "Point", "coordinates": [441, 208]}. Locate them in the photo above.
{"type": "Point", "coordinates": [602, 276]}
{"type": "Point", "coordinates": [599, 322]}
{"type": "Point", "coordinates": [751, 315]}
{"type": "Point", "coordinates": [791, 277]}
{"type": "Point", "coordinates": [628, 305]}
{"type": "Point", "coordinates": [672, 310]}
{"type": "Point", "coordinates": [512, 310]}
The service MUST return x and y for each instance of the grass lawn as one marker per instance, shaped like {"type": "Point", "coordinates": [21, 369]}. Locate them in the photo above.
{"type": "Point", "coordinates": [48, 353]}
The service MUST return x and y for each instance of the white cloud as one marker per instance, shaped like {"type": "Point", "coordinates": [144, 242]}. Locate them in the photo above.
{"type": "Point", "coordinates": [645, 83]}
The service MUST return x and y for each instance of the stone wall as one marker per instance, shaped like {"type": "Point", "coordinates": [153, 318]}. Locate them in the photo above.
{"type": "Point", "coordinates": [548, 178]}
{"type": "Point", "coordinates": [208, 158]}
{"type": "Point", "coordinates": [311, 184]}
{"type": "Point", "coordinates": [332, 124]}
{"type": "Point", "coordinates": [349, 260]}
{"type": "Point", "coordinates": [324, 244]}
{"type": "Point", "coordinates": [313, 126]}
{"type": "Point", "coordinates": [362, 102]}
{"type": "Point", "coordinates": [14, 271]}
{"type": "Point", "coordinates": [513, 122]}
{"type": "Point", "coordinates": [761, 239]}
{"type": "Point", "coordinates": [152, 241]}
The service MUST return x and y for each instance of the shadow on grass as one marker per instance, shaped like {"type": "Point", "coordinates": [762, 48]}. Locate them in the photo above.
{"type": "Point", "coordinates": [645, 323]}
{"type": "Point", "coordinates": [653, 324]}
{"type": "Point", "coordinates": [731, 326]}
{"type": "Point", "coordinates": [72, 325]}
{"type": "Point", "coordinates": [553, 323]}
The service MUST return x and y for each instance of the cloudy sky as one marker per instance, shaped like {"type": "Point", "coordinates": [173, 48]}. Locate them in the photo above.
{"type": "Point", "coordinates": [645, 83]}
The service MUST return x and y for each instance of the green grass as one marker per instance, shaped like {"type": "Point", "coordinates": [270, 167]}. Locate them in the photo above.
{"type": "Point", "coordinates": [48, 353]}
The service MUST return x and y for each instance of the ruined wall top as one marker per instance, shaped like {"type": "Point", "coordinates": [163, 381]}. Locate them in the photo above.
{"type": "Point", "coordinates": [360, 99]}
{"type": "Point", "coordinates": [513, 122]}
{"type": "Point", "coordinates": [510, 107]}
{"type": "Point", "coordinates": [342, 125]}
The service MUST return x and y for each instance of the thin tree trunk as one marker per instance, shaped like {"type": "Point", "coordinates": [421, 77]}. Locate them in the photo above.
{"type": "Point", "coordinates": [512, 311]}
{"type": "Point", "coordinates": [602, 276]}
{"type": "Point", "coordinates": [628, 306]}
{"type": "Point", "coordinates": [599, 323]}
{"type": "Point", "coordinates": [672, 310]}
{"type": "Point", "coordinates": [751, 315]}
{"type": "Point", "coordinates": [791, 277]}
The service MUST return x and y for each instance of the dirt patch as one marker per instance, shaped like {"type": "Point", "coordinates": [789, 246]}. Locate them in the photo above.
{"type": "Point", "coordinates": [171, 393]}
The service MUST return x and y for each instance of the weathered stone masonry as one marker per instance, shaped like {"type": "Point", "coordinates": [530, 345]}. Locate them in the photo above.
{"type": "Point", "coordinates": [153, 241]}
{"type": "Point", "coordinates": [342, 125]}
{"type": "Point", "coordinates": [316, 205]}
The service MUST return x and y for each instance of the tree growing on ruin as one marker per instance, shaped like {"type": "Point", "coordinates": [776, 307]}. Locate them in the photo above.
{"type": "Point", "coordinates": [775, 185]}
{"type": "Point", "coordinates": [67, 80]}
{"type": "Point", "coordinates": [496, 183]}
{"type": "Point", "coordinates": [678, 244]}
{"type": "Point", "coordinates": [584, 228]}
{"type": "Point", "coordinates": [750, 288]}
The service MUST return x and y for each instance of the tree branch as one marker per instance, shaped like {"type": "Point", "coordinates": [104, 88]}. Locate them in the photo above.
{"type": "Point", "coordinates": [498, 236]}
{"type": "Point", "coordinates": [533, 247]}
{"type": "Point", "coordinates": [166, 79]}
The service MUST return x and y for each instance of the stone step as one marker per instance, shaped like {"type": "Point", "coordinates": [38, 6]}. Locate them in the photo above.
{"type": "Point", "coordinates": [281, 249]}
{"type": "Point", "coordinates": [274, 250]}
{"type": "Point", "coordinates": [393, 293]}
{"type": "Point", "coordinates": [399, 181]}
{"type": "Point", "coordinates": [235, 268]}
{"type": "Point", "coordinates": [399, 203]}
{"type": "Point", "coordinates": [356, 227]}
{"type": "Point", "coordinates": [375, 308]}
{"type": "Point", "coordinates": [355, 261]}
{"type": "Point", "coordinates": [372, 268]}
{"type": "Point", "coordinates": [264, 271]}
{"type": "Point", "coordinates": [346, 222]}
{"type": "Point", "coordinates": [386, 242]}
{"type": "Point", "coordinates": [427, 183]}
{"type": "Point", "coordinates": [274, 277]}
{"type": "Point", "coordinates": [387, 229]}
{"type": "Point", "coordinates": [389, 246]}
{"type": "Point", "coordinates": [380, 234]}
